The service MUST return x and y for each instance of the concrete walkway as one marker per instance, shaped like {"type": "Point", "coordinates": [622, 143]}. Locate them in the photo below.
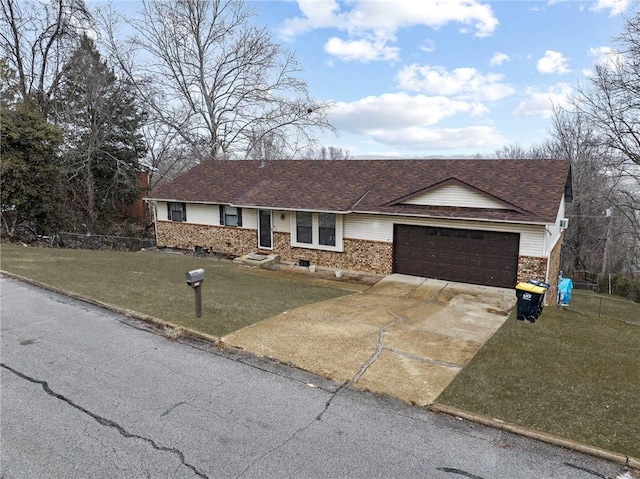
{"type": "Point", "coordinates": [406, 337]}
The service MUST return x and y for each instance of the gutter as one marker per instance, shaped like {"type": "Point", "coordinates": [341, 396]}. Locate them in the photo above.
{"type": "Point", "coordinates": [352, 211]}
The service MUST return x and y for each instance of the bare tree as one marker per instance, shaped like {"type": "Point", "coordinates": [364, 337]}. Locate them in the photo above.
{"type": "Point", "coordinates": [214, 78]}
{"type": "Point", "coordinates": [327, 153]}
{"type": "Point", "coordinates": [612, 99]}
{"type": "Point", "coordinates": [167, 154]}
{"type": "Point", "coordinates": [37, 39]}
{"type": "Point", "coordinates": [611, 102]}
{"type": "Point", "coordinates": [573, 138]}
{"type": "Point", "coordinates": [515, 151]}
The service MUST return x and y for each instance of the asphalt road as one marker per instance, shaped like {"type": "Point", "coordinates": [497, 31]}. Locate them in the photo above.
{"type": "Point", "coordinates": [89, 393]}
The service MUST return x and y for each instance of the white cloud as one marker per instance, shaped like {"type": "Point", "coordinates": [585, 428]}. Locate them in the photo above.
{"type": "Point", "coordinates": [361, 50]}
{"type": "Point", "coordinates": [464, 83]}
{"type": "Point", "coordinates": [615, 7]}
{"type": "Point", "coordinates": [553, 62]}
{"type": "Point", "coordinates": [498, 59]}
{"type": "Point", "coordinates": [439, 138]}
{"type": "Point", "coordinates": [397, 111]}
{"type": "Point", "coordinates": [390, 16]}
{"type": "Point", "coordinates": [428, 46]}
{"type": "Point", "coordinates": [605, 56]}
{"type": "Point", "coordinates": [540, 103]}
{"type": "Point", "coordinates": [316, 14]}
{"type": "Point", "coordinates": [382, 19]}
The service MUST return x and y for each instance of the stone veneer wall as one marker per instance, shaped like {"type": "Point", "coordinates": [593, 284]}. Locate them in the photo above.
{"type": "Point", "coordinates": [365, 256]}
{"type": "Point", "coordinates": [358, 255]}
{"type": "Point", "coordinates": [531, 267]}
{"type": "Point", "coordinates": [218, 239]}
{"type": "Point", "coordinates": [554, 271]}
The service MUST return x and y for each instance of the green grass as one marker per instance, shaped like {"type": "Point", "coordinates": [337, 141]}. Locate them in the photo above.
{"type": "Point", "coordinates": [569, 374]}
{"type": "Point", "coordinates": [153, 283]}
{"type": "Point", "coordinates": [605, 306]}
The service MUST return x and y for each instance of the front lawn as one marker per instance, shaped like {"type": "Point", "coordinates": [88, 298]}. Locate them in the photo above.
{"type": "Point", "coordinates": [153, 283]}
{"type": "Point", "coordinates": [569, 374]}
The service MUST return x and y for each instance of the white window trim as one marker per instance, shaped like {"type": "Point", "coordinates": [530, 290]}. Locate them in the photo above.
{"type": "Point", "coordinates": [315, 233]}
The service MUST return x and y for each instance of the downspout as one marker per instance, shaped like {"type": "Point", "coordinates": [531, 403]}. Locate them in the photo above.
{"type": "Point", "coordinates": [155, 220]}
{"type": "Point", "coordinates": [547, 255]}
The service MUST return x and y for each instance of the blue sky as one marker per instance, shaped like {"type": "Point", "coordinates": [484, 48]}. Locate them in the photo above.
{"type": "Point", "coordinates": [412, 78]}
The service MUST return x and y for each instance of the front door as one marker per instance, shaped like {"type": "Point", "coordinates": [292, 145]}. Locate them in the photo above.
{"type": "Point", "coordinates": [265, 234]}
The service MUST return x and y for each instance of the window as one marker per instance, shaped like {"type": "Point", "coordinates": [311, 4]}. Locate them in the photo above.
{"type": "Point", "coordinates": [317, 231]}
{"type": "Point", "coordinates": [230, 216]}
{"type": "Point", "coordinates": [304, 227]}
{"type": "Point", "coordinates": [177, 211]}
{"type": "Point", "coordinates": [327, 229]}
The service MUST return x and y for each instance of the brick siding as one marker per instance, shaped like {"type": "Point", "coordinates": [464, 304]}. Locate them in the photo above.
{"type": "Point", "coordinates": [359, 255]}
{"type": "Point", "coordinates": [531, 267]}
{"type": "Point", "coordinates": [218, 239]}
{"type": "Point", "coordinates": [554, 271]}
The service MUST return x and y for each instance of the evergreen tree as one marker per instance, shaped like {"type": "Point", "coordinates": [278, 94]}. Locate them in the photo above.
{"type": "Point", "coordinates": [103, 141]}
{"type": "Point", "coordinates": [31, 192]}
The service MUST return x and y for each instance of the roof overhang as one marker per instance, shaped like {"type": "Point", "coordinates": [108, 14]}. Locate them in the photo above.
{"type": "Point", "coordinates": [367, 212]}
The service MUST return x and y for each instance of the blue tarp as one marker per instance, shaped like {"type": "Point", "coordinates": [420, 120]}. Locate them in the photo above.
{"type": "Point", "coordinates": [564, 291]}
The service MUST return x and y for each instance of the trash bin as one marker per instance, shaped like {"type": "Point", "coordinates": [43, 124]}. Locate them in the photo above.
{"type": "Point", "coordinates": [529, 300]}
{"type": "Point", "coordinates": [546, 287]}
{"type": "Point", "coordinates": [564, 291]}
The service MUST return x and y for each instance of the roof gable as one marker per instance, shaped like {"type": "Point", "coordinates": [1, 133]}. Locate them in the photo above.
{"type": "Point", "coordinates": [455, 193]}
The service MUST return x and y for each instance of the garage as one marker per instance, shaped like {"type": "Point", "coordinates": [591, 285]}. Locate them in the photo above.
{"type": "Point", "coordinates": [463, 255]}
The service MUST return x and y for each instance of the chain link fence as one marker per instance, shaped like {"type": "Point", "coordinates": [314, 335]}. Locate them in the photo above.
{"type": "Point", "coordinates": [604, 306]}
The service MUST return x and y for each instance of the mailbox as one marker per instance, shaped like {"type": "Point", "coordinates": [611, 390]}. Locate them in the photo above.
{"type": "Point", "coordinates": [195, 277]}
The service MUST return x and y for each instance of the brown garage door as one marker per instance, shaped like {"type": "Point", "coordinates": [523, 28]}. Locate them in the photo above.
{"type": "Point", "coordinates": [466, 256]}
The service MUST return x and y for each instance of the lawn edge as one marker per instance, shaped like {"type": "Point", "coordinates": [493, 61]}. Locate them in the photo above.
{"type": "Point", "coordinates": [628, 461]}
{"type": "Point", "coordinates": [173, 331]}
{"type": "Point", "coordinates": [166, 328]}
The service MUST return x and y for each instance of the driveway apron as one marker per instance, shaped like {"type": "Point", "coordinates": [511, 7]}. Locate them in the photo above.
{"type": "Point", "coordinates": [405, 336]}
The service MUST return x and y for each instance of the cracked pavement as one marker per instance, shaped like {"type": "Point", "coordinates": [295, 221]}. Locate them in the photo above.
{"type": "Point", "coordinates": [405, 336]}
{"type": "Point", "coordinates": [84, 394]}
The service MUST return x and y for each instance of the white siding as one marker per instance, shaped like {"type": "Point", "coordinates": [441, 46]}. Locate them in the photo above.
{"type": "Point", "coordinates": [455, 195]}
{"type": "Point", "coordinates": [249, 218]}
{"type": "Point", "coordinates": [161, 211]}
{"type": "Point", "coordinates": [380, 228]}
{"type": "Point", "coordinates": [282, 221]}
{"type": "Point", "coordinates": [554, 231]}
{"type": "Point", "coordinates": [203, 214]}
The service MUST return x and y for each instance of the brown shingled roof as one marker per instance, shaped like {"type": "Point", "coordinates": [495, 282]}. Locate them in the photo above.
{"type": "Point", "coordinates": [534, 188]}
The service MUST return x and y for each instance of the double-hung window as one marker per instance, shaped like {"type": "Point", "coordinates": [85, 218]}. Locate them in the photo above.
{"type": "Point", "coordinates": [230, 216]}
{"type": "Point", "coordinates": [327, 229]}
{"type": "Point", "coordinates": [177, 211]}
{"type": "Point", "coordinates": [304, 227]}
{"type": "Point", "coordinates": [317, 231]}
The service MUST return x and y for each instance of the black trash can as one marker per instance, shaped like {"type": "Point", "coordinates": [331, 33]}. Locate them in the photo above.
{"type": "Point", "coordinates": [529, 300]}
{"type": "Point", "coordinates": [544, 285]}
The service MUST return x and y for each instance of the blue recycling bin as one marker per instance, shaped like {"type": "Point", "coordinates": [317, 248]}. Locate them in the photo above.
{"type": "Point", "coordinates": [564, 291]}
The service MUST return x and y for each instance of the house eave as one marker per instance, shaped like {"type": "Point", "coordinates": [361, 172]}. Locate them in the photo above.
{"type": "Point", "coordinates": [257, 207]}
{"type": "Point", "coordinates": [537, 222]}
{"type": "Point", "coordinates": [459, 218]}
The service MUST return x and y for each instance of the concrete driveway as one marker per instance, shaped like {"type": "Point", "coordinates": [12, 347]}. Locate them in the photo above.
{"type": "Point", "coordinates": [405, 336]}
